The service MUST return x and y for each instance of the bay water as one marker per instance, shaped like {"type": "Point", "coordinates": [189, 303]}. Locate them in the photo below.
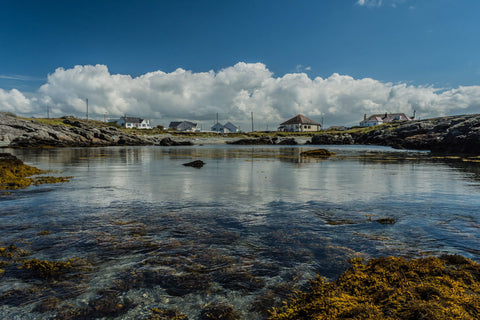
{"type": "Point", "coordinates": [252, 225]}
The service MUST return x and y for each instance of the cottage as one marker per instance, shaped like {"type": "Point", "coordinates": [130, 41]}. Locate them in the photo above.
{"type": "Point", "coordinates": [377, 119]}
{"type": "Point", "coordinates": [231, 127]}
{"type": "Point", "coordinates": [300, 123]}
{"type": "Point", "coordinates": [227, 128]}
{"type": "Point", "coordinates": [218, 128]}
{"type": "Point", "coordinates": [183, 126]}
{"type": "Point", "coordinates": [133, 122]}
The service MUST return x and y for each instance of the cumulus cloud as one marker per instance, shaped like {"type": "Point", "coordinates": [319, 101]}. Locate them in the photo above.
{"type": "Point", "coordinates": [15, 101]}
{"type": "Point", "coordinates": [233, 93]}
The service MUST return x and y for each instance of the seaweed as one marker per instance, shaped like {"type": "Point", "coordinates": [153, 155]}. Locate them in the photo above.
{"type": "Point", "coordinates": [166, 314]}
{"type": "Point", "coordinates": [14, 174]}
{"type": "Point", "coordinates": [317, 153]}
{"type": "Point", "coordinates": [445, 287]}
{"type": "Point", "coordinates": [219, 311]}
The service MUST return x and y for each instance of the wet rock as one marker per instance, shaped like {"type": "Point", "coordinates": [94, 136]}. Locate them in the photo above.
{"type": "Point", "coordinates": [168, 142]}
{"type": "Point", "coordinates": [288, 142]}
{"type": "Point", "coordinates": [67, 132]}
{"type": "Point", "coordinates": [318, 153]}
{"type": "Point", "coordinates": [332, 139]}
{"type": "Point", "coordinates": [196, 164]}
{"type": "Point", "coordinates": [109, 304]}
{"type": "Point", "coordinates": [258, 141]}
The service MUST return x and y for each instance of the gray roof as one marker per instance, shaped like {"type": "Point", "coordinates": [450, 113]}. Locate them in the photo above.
{"type": "Point", "coordinates": [300, 119]}
{"type": "Point", "coordinates": [182, 125]}
{"type": "Point", "coordinates": [132, 119]}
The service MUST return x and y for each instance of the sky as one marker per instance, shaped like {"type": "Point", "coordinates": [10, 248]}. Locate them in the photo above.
{"type": "Point", "coordinates": [331, 60]}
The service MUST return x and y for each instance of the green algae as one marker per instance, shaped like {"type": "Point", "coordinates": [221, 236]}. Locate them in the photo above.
{"type": "Point", "coordinates": [391, 288]}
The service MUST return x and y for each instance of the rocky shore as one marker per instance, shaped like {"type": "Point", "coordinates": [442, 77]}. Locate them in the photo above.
{"type": "Point", "coordinates": [455, 135]}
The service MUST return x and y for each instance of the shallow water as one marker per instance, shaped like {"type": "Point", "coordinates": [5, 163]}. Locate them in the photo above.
{"type": "Point", "coordinates": [245, 229]}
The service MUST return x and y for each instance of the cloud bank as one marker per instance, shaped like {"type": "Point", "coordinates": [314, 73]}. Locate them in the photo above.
{"type": "Point", "coordinates": [233, 93]}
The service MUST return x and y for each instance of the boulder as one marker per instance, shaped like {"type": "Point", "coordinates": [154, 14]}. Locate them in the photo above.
{"type": "Point", "coordinates": [196, 164]}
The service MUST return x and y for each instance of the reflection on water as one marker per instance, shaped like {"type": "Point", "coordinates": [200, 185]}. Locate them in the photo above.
{"type": "Point", "coordinates": [248, 227]}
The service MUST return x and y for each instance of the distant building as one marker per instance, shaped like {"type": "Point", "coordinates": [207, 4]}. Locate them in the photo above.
{"type": "Point", "coordinates": [300, 123]}
{"type": "Point", "coordinates": [231, 127]}
{"type": "Point", "coordinates": [183, 126]}
{"type": "Point", "coordinates": [218, 128]}
{"type": "Point", "coordinates": [227, 128]}
{"type": "Point", "coordinates": [132, 122]}
{"type": "Point", "coordinates": [377, 119]}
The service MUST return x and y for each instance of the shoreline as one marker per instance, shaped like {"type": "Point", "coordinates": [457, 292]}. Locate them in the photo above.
{"type": "Point", "coordinates": [448, 135]}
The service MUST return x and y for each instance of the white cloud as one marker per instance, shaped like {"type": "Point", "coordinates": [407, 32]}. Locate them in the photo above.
{"type": "Point", "coordinates": [379, 3]}
{"type": "Point", "coordinates": [233, 92]}
{"type": "Point", "coordinates": [15, 101]}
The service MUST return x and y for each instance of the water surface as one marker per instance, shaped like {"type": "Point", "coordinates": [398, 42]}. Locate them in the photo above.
{"type": "Point", "coordinates": [248, 227]}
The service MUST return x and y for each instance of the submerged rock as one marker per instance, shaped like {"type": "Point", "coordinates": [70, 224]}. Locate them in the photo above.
{"type": "Point", "coordinates": [219, 311]}
{"type": "Point", "coordinates": [196, 164]}
{"type": "Point", "coordinates": [317, 153]}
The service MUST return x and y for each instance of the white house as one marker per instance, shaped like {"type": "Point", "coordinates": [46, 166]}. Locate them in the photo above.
{"type": "Point", "coordinates": [132, 122]}
{"type": "Point", "coordinates": [183, 126]}
{"type": "Point", "coordinates": [300, 123]}
{"type": "Point", "coordinates": [231, 127]}
{"type": "Point", "coordinates": [377, 119]}
{"type": "Point", "coordinates": [218, 128]}
{"type": "Point", "coordinates": [227, 128]}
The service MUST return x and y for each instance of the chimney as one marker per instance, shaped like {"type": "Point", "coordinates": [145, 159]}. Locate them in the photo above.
{"type": "Point", "coordinates": [364, 117]}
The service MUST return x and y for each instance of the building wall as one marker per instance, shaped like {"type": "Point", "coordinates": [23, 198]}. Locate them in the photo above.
{"type": "Point", "coordinates": [302, 127]}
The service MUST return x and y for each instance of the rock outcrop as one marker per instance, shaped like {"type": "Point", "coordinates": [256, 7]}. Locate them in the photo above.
{"type": "Point", "coordinates": [455, 134]}
{"type": "Point", "coordinates": [69, 132]}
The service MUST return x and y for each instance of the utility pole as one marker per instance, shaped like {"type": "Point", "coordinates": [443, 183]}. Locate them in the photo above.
{"type": "Point", "coordinates": [87, 108]}
{"type": "Point", "coordinates": [252, 121]}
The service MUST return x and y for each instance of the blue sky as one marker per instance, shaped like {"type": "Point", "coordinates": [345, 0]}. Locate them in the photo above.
{"type": "Point", "coordinates": [416, 43]}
